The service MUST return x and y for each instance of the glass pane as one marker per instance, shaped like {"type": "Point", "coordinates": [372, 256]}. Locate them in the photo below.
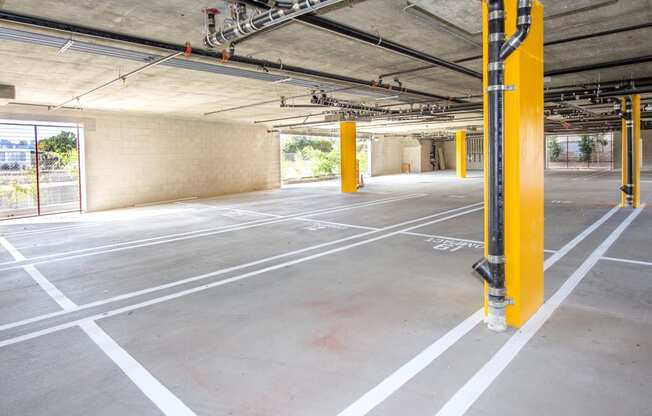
{"type": "Point", "coordinates": [58, 167]}
{"type": "Point", "coordinates": [17, 171]}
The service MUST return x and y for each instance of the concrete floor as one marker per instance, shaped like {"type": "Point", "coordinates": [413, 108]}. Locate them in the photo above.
{"type": "Point", "coordinates": [304, 301]}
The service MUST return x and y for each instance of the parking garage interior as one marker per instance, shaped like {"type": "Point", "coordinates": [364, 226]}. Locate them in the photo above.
{"type": "Point", "coordinates": [325, 207]}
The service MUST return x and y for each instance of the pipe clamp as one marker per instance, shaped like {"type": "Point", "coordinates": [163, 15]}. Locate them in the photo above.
{"type": "Point", "coordinates": [495, 37]}
{"type": "Point", "coordinates": [501, 88]}
{"type": "Point", "coordinates": [496, 259]}
{"type": "Point", "coordinates": [496, 66]}
{"type": "Point", "coordinates": [524, 20]}
{"type": "Point", "coordinates": [496, 14]}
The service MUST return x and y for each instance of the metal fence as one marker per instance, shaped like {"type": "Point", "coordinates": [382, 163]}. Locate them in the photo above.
{"type": "Point", "coordinates": [39, 169]}
{"type": "Point", "coordinates": [580, 152]}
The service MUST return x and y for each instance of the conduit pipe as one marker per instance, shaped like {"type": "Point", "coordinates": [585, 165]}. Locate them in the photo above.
{"type": "Point", "coordinates": [492, 267]}
{"type": "Point", "coordinates": [124, 77]}
{"type": "Point", "coordinates": [628, 188]}
{"type": "Point", "coordinates": [265, 20]}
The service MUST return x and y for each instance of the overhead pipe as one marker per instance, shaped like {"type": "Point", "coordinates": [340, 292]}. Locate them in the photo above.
{"type": "Point", "coordinates": [264, 20]}
{"type": "Point", "coordinates": [124, 77]}
{"type": "Point", "coordinates": [492, 267]}
{"type": "Point", "coordinates": [373, 39]}
{"type": "Point", "coordinates": [243, 60]}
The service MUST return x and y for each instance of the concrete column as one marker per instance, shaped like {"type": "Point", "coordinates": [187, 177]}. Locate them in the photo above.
{"type": "Point", "coordinates": [460, 154]}
{"type": "Point", "coordinates": [524, 166]}
{"type": "Point", "coordinates": [348, 160]}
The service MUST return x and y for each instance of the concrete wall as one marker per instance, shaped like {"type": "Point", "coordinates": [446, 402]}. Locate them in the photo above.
{"type": "Point", "coordinates": [134, 159]}
{"type": "Point", "coordinates": [449, 155]}
{"type": "Point", "coordinates": [646, 138]}
{"type": "Point", "coordinates": [389, 153]}
{"type": "Point", "coordinates": [386, 156]}
{"type": "Point", "coordinates": [426, 148]}
{"type": "Point", "coordinates": [412, 154]}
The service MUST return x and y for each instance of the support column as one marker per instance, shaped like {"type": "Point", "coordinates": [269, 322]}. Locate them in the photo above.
{"type": "Point", "coordinates": [634, 146]}
{"type": "Point", "coordinates": [348, 161]}
{"type": "Point", "coordinates": [524, 160]}
{"type": "Point", "coordinates": [460, 153]}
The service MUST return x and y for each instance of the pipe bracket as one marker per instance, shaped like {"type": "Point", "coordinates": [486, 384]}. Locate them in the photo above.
{"type": "Point", "coordinates": [496, 259]}
{"type": "Point", "coordinates": [496, 14]}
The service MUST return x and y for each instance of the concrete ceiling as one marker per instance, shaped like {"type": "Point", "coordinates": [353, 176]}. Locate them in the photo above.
{"type": "Point", "coordinates": [444, 28]}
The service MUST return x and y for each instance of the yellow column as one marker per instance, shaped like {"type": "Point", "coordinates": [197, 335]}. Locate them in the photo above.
{"type": "Point", "coordinates": [460, 153]}
{"type": "Point", "coordinates": [638, 148]}
{"type": "Point", "coordinates": [636, 181]}
{"type": "Point", "coordinates": [524, 165]}
{"type": "Point", "coordinates": [348, 156]}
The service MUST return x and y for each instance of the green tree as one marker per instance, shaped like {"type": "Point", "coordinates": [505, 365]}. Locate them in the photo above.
{"type": "Point", "coordinates": [587, 145]}
{"type": "Point", "coordinates": [554, 149]}
{"type": "Point", "coordinates": [297, 144]}
{"type": "Point", "coordinates": [58, 152]}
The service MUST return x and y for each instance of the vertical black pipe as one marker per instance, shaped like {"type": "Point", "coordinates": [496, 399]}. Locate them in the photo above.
{"type": "Point", "coordinates": [492, 268]}
{"type": "Point", "coordinates": [629, 122]}
{"type": "Point", "coordinates": [496, 93]}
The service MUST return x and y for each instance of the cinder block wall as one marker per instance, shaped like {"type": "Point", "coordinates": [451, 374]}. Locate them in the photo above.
{"type": "Point", "coordinates": [135, 159]}
{"type": "Point", "coordinates": [646, 138]}
{"type": "Point", "coordinates": [386, 156]}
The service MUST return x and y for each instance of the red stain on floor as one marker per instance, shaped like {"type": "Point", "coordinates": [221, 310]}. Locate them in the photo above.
{"type": "Point", "coordinates": [329, 342]}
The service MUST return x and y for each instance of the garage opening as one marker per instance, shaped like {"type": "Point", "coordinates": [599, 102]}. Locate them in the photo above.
{"type": "Point", "coordinates": [316, 158]}
{"type": "Point", "coordinates": [586, 151]}
{"type": "Point", "coordinates": [39, 169]}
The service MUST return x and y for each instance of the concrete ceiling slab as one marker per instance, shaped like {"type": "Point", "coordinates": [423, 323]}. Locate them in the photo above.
{"type": "Point", "coordinates": [43, 77]}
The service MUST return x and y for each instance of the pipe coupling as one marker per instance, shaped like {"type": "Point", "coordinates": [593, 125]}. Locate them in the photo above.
{"type": "Point", "coordinates": [496, 318]}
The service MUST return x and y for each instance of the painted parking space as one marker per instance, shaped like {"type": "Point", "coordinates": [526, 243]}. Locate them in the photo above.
{"type": "Point", "coordinates": [316, 334]}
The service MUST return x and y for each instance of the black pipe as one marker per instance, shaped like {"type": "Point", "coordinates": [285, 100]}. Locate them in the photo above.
{"type": "Point", "coordinates": [600, 65]}
{"type": "Point", "coordinates": [574, 39]}
{"type": "Point", "coordinates": [628, 188]}
{"type": "Point", "coordinates": [523, 29]}
{"type": "Point", "coordinates": [257, 63]}
{"type": "Point", "coordinates": [374, 40]}
{"type": "Point", "coordinates": [492, 268]}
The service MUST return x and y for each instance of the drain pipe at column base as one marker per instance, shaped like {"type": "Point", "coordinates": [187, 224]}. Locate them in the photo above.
{"type": "Point", "coordinates": [492, 267]}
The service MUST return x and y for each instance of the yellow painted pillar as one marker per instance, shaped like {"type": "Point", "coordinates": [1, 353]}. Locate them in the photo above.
{"type": "Point", "coordinates": [638, 148]}
{"type": "Point", "coordinates": [524, 166]}
{"type": "Point", "coordinates": [636, 181]}
{"type": "Point", "coordinates": [348, 161]}
{"type": "Point", "coordinates": [460, 153]}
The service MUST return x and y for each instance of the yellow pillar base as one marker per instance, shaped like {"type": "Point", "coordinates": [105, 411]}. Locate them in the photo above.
{"type": "Point", "coordinates": [524, 166]}
{"type": "Point", "coordinates": [348, 161]}
{"type": "Point", "coordinates": [460, 154]}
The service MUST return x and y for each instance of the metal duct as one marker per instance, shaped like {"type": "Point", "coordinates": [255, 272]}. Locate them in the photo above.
{"type": "Point", "coordinates": [265, 20]}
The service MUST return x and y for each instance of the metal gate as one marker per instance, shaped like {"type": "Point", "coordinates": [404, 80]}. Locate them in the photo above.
{"type": "Point", "coordinates": [39, 169]}
{"type": "Point", "coordinates": [586, 151]}
{"type": "Point", "coordinates": [474, 153]}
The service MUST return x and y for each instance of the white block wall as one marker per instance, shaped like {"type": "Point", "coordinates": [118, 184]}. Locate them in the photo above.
{"type": "Point", "coordinates": [133, 159]}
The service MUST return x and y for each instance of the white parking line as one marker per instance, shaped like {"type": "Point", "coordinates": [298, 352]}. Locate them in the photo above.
{"type": "Point", "coordinates": [207, 286]}
{"type": "Point", "coordinates": [392, 383]}
{"type": "Point", "coordinates": [11, 249]}
{"type": "Point", "coordinates": [642, 263]}
{"type": "Point", "coordinates": [471, 391]}
{"type": "Point", "coordinates": [337, 224]}
{"type": "Point", "coordinates": [167, 402]}
{"type": "Point", "coordinates": [404, 374]}
{"type": "Point", "coordinates": [163, 398]}
{"type": "Point", "coordinates": [568, 247]}
{"type": "Point", "coordinates": [147, 242]}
